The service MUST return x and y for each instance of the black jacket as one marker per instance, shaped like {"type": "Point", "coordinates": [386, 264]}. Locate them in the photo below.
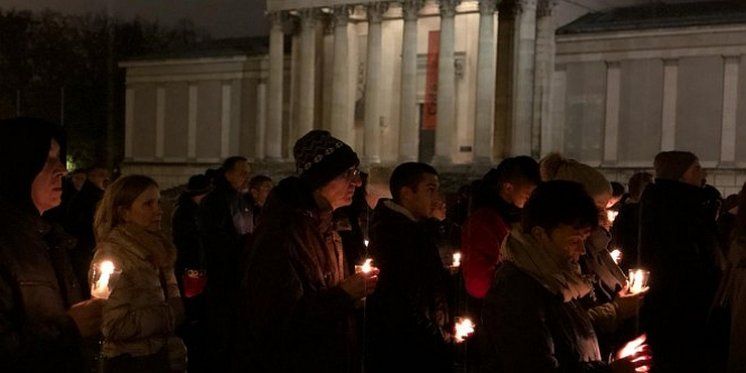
{"type": "Point", "coordinates": [294, 315]}
{"type": "Point", "coordinates": [408, 315]}
{"type": "Point", "coordinates": [678, 246]}
{"type": "Point", "coordinates": [185, 233]}
{"type": "Point", "coordinates": [79, 223]}
{"type": "Point", "coordinates": [530, 329]}
{"type": "Point", "coordinates": [37, 287]}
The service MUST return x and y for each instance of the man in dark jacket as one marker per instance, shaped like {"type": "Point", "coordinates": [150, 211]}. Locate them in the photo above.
{"type": "Point", "coordinates": [409, 321]}
{"type": "Point", "coordinates": [190, 265]}
{"type": "Point", "coordinates": [532, 316]}
{"type": "Point", "coordinates": [298, 301]}
{"type": "Point", "coordinates": [678, 246]}
{"type": "Point", "coordinates": [224, 221]}
{"type": "Point", "coordinates": [41, 317]}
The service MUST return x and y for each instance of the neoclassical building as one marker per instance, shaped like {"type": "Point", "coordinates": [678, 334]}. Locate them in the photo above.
{"type": "Point", "coordinates": [459, 83]}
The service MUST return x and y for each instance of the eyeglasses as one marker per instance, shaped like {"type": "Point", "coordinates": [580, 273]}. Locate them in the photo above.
{"type": "Point", "coordinates": [351, 173]}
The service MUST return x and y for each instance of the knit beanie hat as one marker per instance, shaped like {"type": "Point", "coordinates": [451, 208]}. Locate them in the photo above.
{"type": "Point", "coordinates": [672, 165]}
{"type": "Point", "coordinates": [556, 167]}
{"type": "Point", "coordinates": [319, 158]}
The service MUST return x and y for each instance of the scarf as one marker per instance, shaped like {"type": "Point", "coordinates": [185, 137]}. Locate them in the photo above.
{"type": "Point", "coordinates": [546, 265]}
{"type": "Point", "coordinates": [154, 247]}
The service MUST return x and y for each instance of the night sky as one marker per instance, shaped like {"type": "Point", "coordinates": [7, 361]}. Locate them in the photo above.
{"type": "Point", "coordinates": [221, 18]}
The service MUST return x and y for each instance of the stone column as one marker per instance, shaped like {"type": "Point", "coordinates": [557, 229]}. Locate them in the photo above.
{"type": "Point", "coordinates": [484, 116]}
{"type": "Point", "coordinates": [372, 147]}
{"type": "Point", "coordinates": [515, 76]}
{"type": "Point", "coordinates": [129, 122]}
{"type": "Point", "coordinates": [445, 132]}
{"type": "Point", "coordinates": [611, 128]}
{"type": "Point", "coordinates": [192, 120]}
{"type": "Point", "coordinates": [225, 120]}
{"type": "Point", "coordinates": [160, 121]}
{"type": "Point", "coordinates": [307, 78]}
{"type": "Point", "coordinates": [409, 131]}
{"type": "Point", "coordinates": [341, 126]}
{"type": "Point", "coordinates": [261, 119]}
{"type": "Point", "coordinates": [273, 144]}
{"type": "Point", "coordinates": [730, 110]}
{"type": "Point", "coordinates": [670, 93]}
{"type": "Point", "coordinates": [544, 57]}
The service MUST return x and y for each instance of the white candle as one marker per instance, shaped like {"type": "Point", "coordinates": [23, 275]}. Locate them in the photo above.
{"type": "Point", "coordinates": [638, 280]}
{"type": "Point", "coordinates": [456, 260]}
{"type": "Point", "coordinates": [366, 267]}
{"type": "Point", "coordinates": [616, 255]}
{"type": "Point", "coordinates": [611, 215]}
{"type": "Point", "coordinates": [100, 288]}
{"type": "Point", "coordinates": [464, 327]}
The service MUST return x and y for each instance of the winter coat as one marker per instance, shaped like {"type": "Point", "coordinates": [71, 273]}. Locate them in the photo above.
{"type": "Point", "coordinates": [482, 236]}
{"type": "Point", "coordinates": [186, 237]}
{"type": "Point", "coordinates": [733, 299]}
{"type": "Point", "coordinates": [143, 310]}
{"type": "Point", "coordinates": [678, 246]}
{"type": "Point", "coordinates": [625, 232]}
{"type": "Point", "coordinates": [294, 316]}
{"type": "Point", "coordinates": [532, 316]}
{"type": "Point", "coordinates": [408, 315]}
{"type": "Point", "coordinates": [37, 287]}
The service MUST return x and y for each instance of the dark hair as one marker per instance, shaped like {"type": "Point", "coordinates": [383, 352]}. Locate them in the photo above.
{"type": "Point", "coordinates": [25, 141]}
{"type": "Point", "coordinates": [258, 180]}
{"type": "Point", "coordinates": [408, 174]}
{"type": "Point", "coordinates": [617, 189]}
{"type": "Point", "coordinates": [637, 184]}
{"type": "Point", "coordinates": [559, 202]}
{"type": "Point", "coordinates": [521, 169]}
{"type": "Point", "coordinates": [231, 162]}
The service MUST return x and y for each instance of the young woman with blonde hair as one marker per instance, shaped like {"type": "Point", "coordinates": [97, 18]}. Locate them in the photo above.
{"type": "Point", "coordinates": [144, 307]}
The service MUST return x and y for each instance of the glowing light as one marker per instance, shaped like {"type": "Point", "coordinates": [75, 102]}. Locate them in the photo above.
{"type": "Point", "coordinates": [616, 255]}
{"type": "Point", "coordinates": [456, 260]}
{"type": "Point", "coordinates": [102, 276]}
{"type": "Point", "coordinates": [366, 267]}
{"type": "Point", "coordinates": [611, 215]}
{"type": "Point", "coordinates": [638, 280]}
{"type": "Point", "coordinates": [464, 327]}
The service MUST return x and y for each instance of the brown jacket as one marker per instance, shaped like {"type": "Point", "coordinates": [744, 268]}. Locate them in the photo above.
{"type": "Point", "coordinates": [144, 307]}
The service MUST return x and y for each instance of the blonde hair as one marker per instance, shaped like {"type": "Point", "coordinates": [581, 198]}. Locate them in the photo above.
{"type": "Point", "coordinates": [118, 196]}
{"type": "Point", "coordinates": [556, 167]}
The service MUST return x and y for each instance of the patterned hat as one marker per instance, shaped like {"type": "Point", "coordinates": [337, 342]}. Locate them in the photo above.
{"type": "Point", "coordinates": [319, 157]}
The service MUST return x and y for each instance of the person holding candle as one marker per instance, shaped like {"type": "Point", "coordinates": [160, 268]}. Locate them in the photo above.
{"type": "Point", "coordinates": [298, 301]}
{"type": "Point", "coordinates": [678, 246]}
{"type": "Point", "coordinates": [144, 308]}
{"type": "Point", "coordinates": [496, 207]}
{"type": "Point", "coordinates": [533, 317]}
{"type": "Point", "coordinates": [611, 307]}
{"type": "Point", "coordinates": [43, 317]}
{"type": "Point", "coordinates": [409, 325]}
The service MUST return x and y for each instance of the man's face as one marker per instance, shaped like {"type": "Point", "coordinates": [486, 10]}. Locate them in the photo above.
{"type": "Point", "coordinates": [694, 175]}
{"type": "Point", "coordinates": [340, 190]}
{"type": "Point", "coordinates": [261, 192]}
{"type": "Point", "coordinates": [99, 177]}
{"type": "Point", "coordinates": [238, 175]}
{"type": "Point", "coordinates": [517, 193]}
{"type": "Point", "coordinates": [421, 200]}
{"type": "Point", "coordinates": [569, 240]}
{"type": "Point", "coordinates": [78, 180]}
{"type": "Point", "coordinates": [46, 189]}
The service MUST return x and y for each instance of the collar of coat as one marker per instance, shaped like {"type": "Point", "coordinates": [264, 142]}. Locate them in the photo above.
{"type": "Point", "coordinates": [150, 246]}
{"type": "Point", "coordinates": [391, 205]}
{"type": "Point", "coordinates": [546, 265]}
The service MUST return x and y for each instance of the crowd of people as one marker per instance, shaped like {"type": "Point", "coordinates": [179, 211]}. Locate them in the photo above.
{"type": "Point", "coordinates": [535, 267]}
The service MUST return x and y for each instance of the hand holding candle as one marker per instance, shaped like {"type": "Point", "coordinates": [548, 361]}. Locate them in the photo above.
{"type": "Point", "coordinates": [463, 328]}
{"type": "Point", "coordinates": [363, 282]}
{"type": "Point", "coordinates": [103, 278]}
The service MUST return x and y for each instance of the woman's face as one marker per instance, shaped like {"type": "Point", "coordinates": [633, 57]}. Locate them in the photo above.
{"type": "Point", "coordinates": [46, 189]}
{"type": "Point", "coordinates": [145, 210]}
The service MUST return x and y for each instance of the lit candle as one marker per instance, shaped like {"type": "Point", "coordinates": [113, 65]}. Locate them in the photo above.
{"type": "Point", "coordinates": [456, 260]}
{"type": "Point", "coordinates": [366, 267]}
{"type": "Point", "coordinates": [633, 347]}
{"type": "Point", "coordinates": [102, 275]}
{"type": "Point", "coordinates": [638, 280]}
{"type": "Point", "coordinates": [464, 328]}
{"type": "Point", "coordinates": [611, 215]}
{"type": "Point", "coordinates": [366, 243]}
{"type": "Point", "coordinates": [616, 255]}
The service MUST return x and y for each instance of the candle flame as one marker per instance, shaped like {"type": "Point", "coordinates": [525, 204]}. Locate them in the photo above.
{"type": "Point", "coordinates": [633, 347]}
{"type": "Point", "coordinates": [464, 328]}
{"type": "Point", "coordinates": [101, 286]}
{"type": "Point", "coordinates": [456, 259]}
{"type": "Point", "coordinates": [616, 255]}
{"type": "Point", "coordinates": [366, 242]}
{"type": "Point", "coordinates": [611, 215]}
{"type": "Point", "coordinates": [367, 266]}
{"type": "Point", "coordinates": [638, 279]}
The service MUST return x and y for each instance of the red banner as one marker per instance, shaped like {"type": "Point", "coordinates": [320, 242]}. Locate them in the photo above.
{"type": "Point", "coordinates": [430, 114]}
